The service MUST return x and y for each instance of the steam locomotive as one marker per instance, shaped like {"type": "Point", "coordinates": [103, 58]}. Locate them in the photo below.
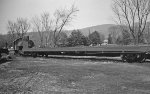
{"type": "Point", "coordinates": [130, 53]}
{"type": "Point", "coordinates": [127, 53]}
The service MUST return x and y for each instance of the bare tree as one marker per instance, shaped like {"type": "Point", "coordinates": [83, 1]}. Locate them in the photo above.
{"type": "Point", "coordinates": [62, 18]}
{"type": "Point", "coordinates": [46, 25]}
{"type": "Point", "coordinates": [42, 24]}
{"type": "Point", "coordinates": [37, 26]}
{"type": "Point", "coordinates": [114, 33]}
{"type": "Point", "coordinates": [11, 31]}
{"type": "Point", "coordinates": [147, 34]}
{"type": "Point", "coordinates": [17, 29]}
{"type": "Point", "coordinates": [22, 26]}
{"type": "Point", "coordinates": [134, 14]}
{"type": "Point", "coordinates": [62, 39]}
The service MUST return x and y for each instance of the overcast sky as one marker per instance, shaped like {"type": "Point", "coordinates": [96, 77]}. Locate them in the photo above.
{"type": "Point", "coordinates": [91, 12]}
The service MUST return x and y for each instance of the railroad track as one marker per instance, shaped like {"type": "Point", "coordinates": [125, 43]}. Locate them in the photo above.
{"type": "Point", "coordinates": [91, 58]}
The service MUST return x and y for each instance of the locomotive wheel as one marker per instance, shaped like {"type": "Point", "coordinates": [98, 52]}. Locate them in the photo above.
{"type": "Point", "coordinates": [130, 58]}
{"type": "Point", "coordinates": [34, 55]}
{"type": "Point", "coordinates": [141, 58]}
{"type": "Point", "coordinates": [42, 55]}
{"type": "Point", "coordinates": [46, 55]}
{"type": "Point", "coordinates": [134, 58]}
{"type": "Point", "coordinates": [123, 57]}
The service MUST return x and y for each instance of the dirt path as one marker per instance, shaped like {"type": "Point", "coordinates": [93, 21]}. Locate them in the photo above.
{"type": "Point", "coordinates": [73, 76]}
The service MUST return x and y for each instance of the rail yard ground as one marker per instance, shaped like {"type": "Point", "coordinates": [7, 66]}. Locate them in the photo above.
{"type": "Point", "coordinates": [27, 75]}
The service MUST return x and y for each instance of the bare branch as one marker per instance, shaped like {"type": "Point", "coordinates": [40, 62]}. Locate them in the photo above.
{"type": "Point", "coordinates": [134, 14]}
{"type": "Point", "coordinates": [63, 18]}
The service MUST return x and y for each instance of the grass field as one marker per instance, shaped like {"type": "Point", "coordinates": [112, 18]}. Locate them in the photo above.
{"type": "Point", "coordinates": [26, 75]}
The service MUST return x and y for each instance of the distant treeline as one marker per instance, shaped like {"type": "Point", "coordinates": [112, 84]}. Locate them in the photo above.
{"type": "Point", "coordinates": [76, 38]}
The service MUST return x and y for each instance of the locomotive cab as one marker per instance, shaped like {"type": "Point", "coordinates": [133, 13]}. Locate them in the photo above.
{"type": "Point", "coordinates": [21, 43]}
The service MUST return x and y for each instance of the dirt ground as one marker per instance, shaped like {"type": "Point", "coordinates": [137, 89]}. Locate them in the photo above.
{"type": "Point", "coordinates": [26, 75]}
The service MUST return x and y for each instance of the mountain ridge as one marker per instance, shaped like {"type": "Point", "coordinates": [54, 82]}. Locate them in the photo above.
{"type": "Point", "coordinates": [103, 29]}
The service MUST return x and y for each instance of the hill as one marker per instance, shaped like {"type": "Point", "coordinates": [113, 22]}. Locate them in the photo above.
{"type": "Point", "coordinates": [103, 29]}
